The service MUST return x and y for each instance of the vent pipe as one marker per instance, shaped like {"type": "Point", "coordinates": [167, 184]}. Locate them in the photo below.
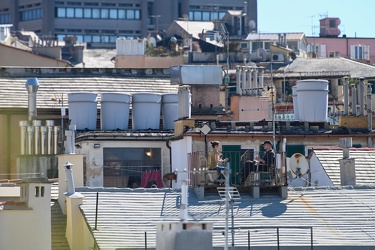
{"type": "Point", "coordinates": [354, 100]}
{"type": "Point", "coordinates": [70, 139]}
{"type": "Point", "coordinates": [249, 81]}
{"type": "Point", "coordinates": [346, 96]}
{"type": "Point", "coordinates": [30, 135]}
{"type": "Point", "coordinates": [32, 85]}
{"type": "Point", "coordinates": [243, 82]}
{"type": "Point", "coordinates": [43, 139]}
{"type": "Point", "coordinates": [369, 107]}
{"type": "Point", "coordinates": [361, 96]}
{"type": "Point", "coordinates": [55, 138]}
{"type": "Point", "coordinates": [69, 178]}
{"type": "Point", "coordinates": [184, 201]}
{"type": "Point", "coordinates": [49, 124]}
{"type": "Point", "coordinates": [238, 80]}
{"type": "Point", "coordinates": [37, 124]}
{"type": "Point", "coordinates": [256, 82]}
{"type": "Point", "coordinates": [261, 81]}
{"type": "Point", "coordinates": [23, 128]}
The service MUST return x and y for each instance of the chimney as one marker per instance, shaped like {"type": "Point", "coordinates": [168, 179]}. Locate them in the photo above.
{"type": "Point", "coordinates": [69, 178]}
{"type": "Point", "coordinates": [347, 164]}
{"type": "Point", "coordinates": [32, 85]}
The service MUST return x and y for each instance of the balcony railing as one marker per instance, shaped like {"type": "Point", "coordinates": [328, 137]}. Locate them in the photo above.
{"type": "Point", "coordinates": [244, 171]}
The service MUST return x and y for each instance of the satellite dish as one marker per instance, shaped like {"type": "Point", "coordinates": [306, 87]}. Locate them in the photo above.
{"type": "Point", "coordinates": [261, 54]}
{"type": "Point", "coordinates": [252, 24]}
{"type": "Point", "coordinates": [298, 164]}
{"type": "Point", "coordinates": [152, 41]}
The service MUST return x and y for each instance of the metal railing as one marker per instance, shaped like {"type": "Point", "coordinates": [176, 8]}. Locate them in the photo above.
{"type": "Point", "coordinates": [244, 171]}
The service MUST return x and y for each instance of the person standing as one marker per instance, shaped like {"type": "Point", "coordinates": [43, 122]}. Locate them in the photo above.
{"type": "Point", "coordinates": [267, 163]}
{"type": "Point", "coordinates": [216, 161]}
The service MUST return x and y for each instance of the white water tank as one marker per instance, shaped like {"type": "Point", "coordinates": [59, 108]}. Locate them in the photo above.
{"type": "Point", "coordinates": [312, 98]}
{"type": "Point", "coordinates": [146, 111]}
{"type": "Point", "coordinates": [83, 110]}
{"type": "Point", "coordinates": [114, 111]}
{"type": "Point", "coordinates": [295, 103]}
{"type": "Point", "coordinates": [169, 110]}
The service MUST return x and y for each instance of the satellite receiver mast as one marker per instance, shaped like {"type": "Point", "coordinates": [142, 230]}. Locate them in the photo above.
{"type": "Point", "coordinates": [298, 165]}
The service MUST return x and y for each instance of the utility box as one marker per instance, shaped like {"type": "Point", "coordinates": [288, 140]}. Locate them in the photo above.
{"type": "Point", "coordinates": [184, 236]}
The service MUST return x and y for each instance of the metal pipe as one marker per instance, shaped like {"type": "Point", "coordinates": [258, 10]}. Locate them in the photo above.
{"type": "Point", "coordinates": [243, 82]}
{"type": "Point", "coordinates": [30, 136]}
{"type": "Point", "coordinates": [37, 124]}
{"type": "Point", "coordinates": [32, 85]}
{"type": "Point", "coordinates": [256, 82]}
{"type": "Point", "coordinates": [23, 128]}
{"type": "Point", "coordinates": [354, 100]}
{"type": "Point", "coordinates": [43, 137]}
{"type": "Point", "coordinates": [73, 128]}
{"type": "Point", "coordinates": [369, 107]}
{"type": "Point", "coordinates": [69, 178]}
{"type": "Point", "coordinates": [49, 124]}
{"type": "Point", "coordinates": [261, 81]}
{"type": "Point", "coordinates": [227, 174]}
{"type": "Point", "coordinates": [249, 81]}
{"type": "Point", "coordinates": [361, 96]}
{"type": "Point", "coordinates": [184, 201]}
{"type": "Point", "coordinates": [238, 80]}
{"type": "Point", "coordinates": [96, 211]}
{"type": "Point", "coordinates": [56, 130]}
{"type": "Point", "coordinates": [346, 96]}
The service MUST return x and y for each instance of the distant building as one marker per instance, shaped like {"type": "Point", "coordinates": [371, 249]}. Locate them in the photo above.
{"type": "Point", "coordinates": [118, 18]}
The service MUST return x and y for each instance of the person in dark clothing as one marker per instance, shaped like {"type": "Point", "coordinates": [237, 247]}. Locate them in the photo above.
{"type": "Point", "coordinates": [267, 163]}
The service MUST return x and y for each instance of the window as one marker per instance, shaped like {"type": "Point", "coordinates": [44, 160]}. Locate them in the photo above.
{"type": "Point", "coordinates": [256, 45]}
{"type": "Point", "coordinates": [360, 52]}
{"type": "Point", "coordinates": [130, 14]}
{"type": "Point", "coordinates": [33, 14]}
{"type": "Point", "coordinates": [113, 14]}
{"type": "Point", "coordinates": [69, 12]}
{"type": "Point", "coordinates": [104, 13]}
{"type": "Point", "coordinates": [332, 23]}
{"type": "Point", "coordinates": [4, 18]}
{"type": "Point", "coordinates": [95, 13]}
{"type": "Point", "coordinates": [123, 167]}
{"type": "Point", "coordinates": [87, 13]}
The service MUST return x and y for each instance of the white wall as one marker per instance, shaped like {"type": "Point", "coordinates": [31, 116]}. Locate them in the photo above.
{"type": "Point", "coordinates": [180, 151]}
{"type": "Point", "coordinates": [319, 176]}
{"type": "Point", "coordinates": [28, 227]}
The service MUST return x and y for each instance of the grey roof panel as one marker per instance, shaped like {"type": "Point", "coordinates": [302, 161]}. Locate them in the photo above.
{"type": "Point", "coordinates": [339, 216]}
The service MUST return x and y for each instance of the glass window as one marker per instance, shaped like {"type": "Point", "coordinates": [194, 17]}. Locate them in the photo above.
{"type": "Point", "coordinates": [197, 16]}
{"type": "Point", "coordinates": [214, 15]}
{"type": "Point", "coordinates": [332, 23]}
{"type": "Point", "coordinates": [78, 12]}
{"type": "Point", "coordinates": [95, 13]}
{"type": "Point", "coordinates": [60, 37]}
{"type": "Point", "coordinates": [96, 39]}
{"type": "Point", "coordinates": [104, 13]}
{"type": "Point", "coordinates": [130, 14]}
{"type": "Point", "coordinates": [206, 16]}
{"type": "Point", "coordinates": [61, 12]}
{"type": "Point", "coordinates": [113, 14]}
{"type": "Point", "coordinates": [191, 15]}
{"type": "Point", "coordinates": [112, 39]}
{"type": "Point", "coordinates": [87, 39]}
{"type": "Point", "coordinates": [137, 14]}
{"type": "Point", "coordinates": [221, 15]}
{"type": "Point", "coordinates": [257, 45]}
{"type": "Point", "coordinates": [121, 14]}
{"type": "Point", "coordinates": [87, 13]}
{"type": "Point", "coordinates": [79, 38]}
{"type": "Point", "coordinates": [70, 12]}
{"type": "Point", "coordinates": [267, 45]}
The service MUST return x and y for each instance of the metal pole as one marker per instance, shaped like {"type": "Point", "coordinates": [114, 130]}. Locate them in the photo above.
{"type": "Point", "coordinates": [226, 204]}
{"type": "Point", "coordinates": [145, 240]}
{"type": "Point", "coordinates": [248, 239]}
{"type": "Point", "coordinates": [232, 231]}
{"type": "Point", "coordinates": [278, 239]}
{"type": "Point", "coordinates": [96, 211]}
{"type": "Point", "coordinates": [311, 235]}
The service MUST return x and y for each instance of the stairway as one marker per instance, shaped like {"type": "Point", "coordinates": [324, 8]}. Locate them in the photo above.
{"type": "Point", "coordinates": [58, 227]}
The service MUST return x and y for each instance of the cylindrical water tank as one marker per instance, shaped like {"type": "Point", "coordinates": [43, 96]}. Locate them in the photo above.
{"type": "Point", "coordinates": [83, 110]}
{"type": "Point", "coordinates": [312, 100]}
{"type": "Point", "coordinates": [146, 111]}
{"type": "Point", "coordinates": [114, 111]}
{"type": "Point", "coordinates": [184, 102]}
{"type": "Point", "coordinates": [169, 110]}
{"type": "Point", "coordinates": [295, 103]}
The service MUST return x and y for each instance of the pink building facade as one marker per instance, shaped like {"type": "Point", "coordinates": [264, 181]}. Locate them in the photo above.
{"type": "Point", "coordinates": [361, 49]}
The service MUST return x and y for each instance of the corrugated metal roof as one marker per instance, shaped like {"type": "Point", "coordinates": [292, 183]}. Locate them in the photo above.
{"type": "Point", "coordinates": [339, 216]}
{"type": "Point", "coordinates": [274, 36]}
{"type": "Point", "coordinates": [13, 93]}
{"type": "Point", "coordinates": [301, 67]}
{"type": "Point", "coordinates": [364, 164]}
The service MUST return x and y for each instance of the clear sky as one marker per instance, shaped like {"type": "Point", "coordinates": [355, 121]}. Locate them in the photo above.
{"type": "Point", "coordinates": [357, 17]}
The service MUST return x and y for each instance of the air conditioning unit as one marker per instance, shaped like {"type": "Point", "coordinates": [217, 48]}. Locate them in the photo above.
{"type": "Point", "coordinates": [277, 57]}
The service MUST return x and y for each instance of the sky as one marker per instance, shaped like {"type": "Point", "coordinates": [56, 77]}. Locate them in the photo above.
{"type": "Point", "coordinates": [357, 17]}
